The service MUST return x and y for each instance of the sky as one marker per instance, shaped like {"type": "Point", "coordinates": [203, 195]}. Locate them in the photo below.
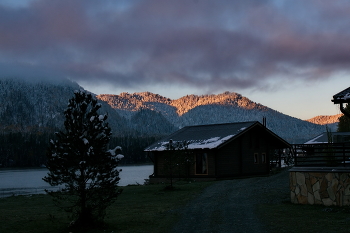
{"type": "Point", "coordinates": [290, 55]}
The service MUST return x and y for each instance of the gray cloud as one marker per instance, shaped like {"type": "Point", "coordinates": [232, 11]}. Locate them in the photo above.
{"type": "Point", "coordinates": [199, 43]}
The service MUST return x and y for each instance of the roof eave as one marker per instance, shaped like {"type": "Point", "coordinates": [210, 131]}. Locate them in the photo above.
{"type": "Point", "coordinates": [341, 97]}
{"type": "Point", "coordinates": [340, 101]}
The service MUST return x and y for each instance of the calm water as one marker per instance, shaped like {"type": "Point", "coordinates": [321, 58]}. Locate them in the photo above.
{"type": "Point", "coordinates": [29, 181]}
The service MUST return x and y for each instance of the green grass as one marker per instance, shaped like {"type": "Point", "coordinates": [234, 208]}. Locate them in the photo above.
{"type": "Point", "coordinates": [288, 217]}
{"type": "Point", "coordinates": [152, 209]}
{"type": "Point", "coordinates": [138, 209]}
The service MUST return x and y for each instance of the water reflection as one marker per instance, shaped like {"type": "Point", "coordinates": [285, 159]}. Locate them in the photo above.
{"type": "Point", "coordinates": [29, 181]}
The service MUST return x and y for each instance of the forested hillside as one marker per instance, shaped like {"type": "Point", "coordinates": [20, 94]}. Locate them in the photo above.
{"type": "Point", "coordinates": [330, 121]}
{"type": "Point", "coordinates": [38, 106]}
{"type": "Point", "coordinates": [211, 109]}
{"type": "Point", "coordinates": [31, 111]}
{"type": "Point", "coordinates": [33, 106]}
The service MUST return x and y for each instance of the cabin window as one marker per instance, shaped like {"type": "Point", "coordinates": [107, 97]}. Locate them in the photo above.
{"type": "Point", "coordinates": [201, 163]}
{"type": "Point", "coordinates": [256, 158]}
{"type": "Point", "coordinates": [263, 157]}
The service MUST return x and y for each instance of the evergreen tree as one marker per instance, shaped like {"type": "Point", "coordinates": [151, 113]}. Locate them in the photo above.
{"type": "Point", "coordinates": [176, 161]}
{"type": "Point", "coordinates": [344, 121]}
{"type": "Point", "coordinates": [80, 163]}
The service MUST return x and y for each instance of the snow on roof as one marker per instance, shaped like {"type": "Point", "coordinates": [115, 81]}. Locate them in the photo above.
{"type": "Point", "coordinates": [323, 138]}
{"type": "Point", "coordinates": [210, 143]}
{"type": "Point", "coordinates": [202, 136]}
{"type": "Point", "coordinates": [346, 97]}
{"type": "Point", "coordinates": [198, 144]}
{"type": "Point", "coordinates": [342, 97]}
{"type": "Point", "coordinates": [316, 140]}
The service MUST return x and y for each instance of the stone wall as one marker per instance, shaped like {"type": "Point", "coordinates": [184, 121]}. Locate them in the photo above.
{"type": "Point", "coordinates": [324, 186]}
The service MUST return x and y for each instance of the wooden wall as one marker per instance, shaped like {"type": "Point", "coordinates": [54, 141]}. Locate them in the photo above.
{"type": "Point", "coordinates": [228, 160]}
{"type": "Point", "coordinates": [162, 166]}
{"type": "Point", "coordinates": [255, 142]}
{"type": "Point", "coordinates": [237, 158]}
{"type": "Point", "coordinates": [234, 159]}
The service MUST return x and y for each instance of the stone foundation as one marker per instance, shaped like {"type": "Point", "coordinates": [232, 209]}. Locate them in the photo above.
{"type": "Point", "coordinates": [323, 186]}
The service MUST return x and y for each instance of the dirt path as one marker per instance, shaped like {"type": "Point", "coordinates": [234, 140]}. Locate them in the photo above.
{"type": "Point", "coordinates": [230, 205]}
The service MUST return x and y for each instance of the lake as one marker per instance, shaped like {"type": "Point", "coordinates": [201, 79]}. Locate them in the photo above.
{"type": "Point", "coordinates": [29, 181]}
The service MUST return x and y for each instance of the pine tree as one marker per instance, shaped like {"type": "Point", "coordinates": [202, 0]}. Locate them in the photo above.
{"type": "Point", "coordinates": [80, 163]}
{"type": "Point", "coordinates": [176, 161]}
{"type": "Point", "coordinates": [344, 121]}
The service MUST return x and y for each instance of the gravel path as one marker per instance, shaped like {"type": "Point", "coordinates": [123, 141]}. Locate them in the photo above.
{"type": "Point", "coordinates": [230, 205]}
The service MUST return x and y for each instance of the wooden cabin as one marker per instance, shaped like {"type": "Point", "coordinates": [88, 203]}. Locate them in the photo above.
{"type": "Point", "coordinates": [216, 151]}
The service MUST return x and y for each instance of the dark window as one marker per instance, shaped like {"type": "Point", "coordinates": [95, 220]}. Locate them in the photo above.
{"type": "Point", "coordinates": [256, 158]}
{"type": "Point", "coordinates": [263, 157]}
{"type": "Point", "coordinates": [201, 163]}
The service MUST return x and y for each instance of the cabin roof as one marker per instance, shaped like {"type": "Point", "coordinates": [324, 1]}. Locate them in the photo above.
{"type": "Point", "coordinates": [323, 137]}
{"type": "Point", "coordinates": [342, 97]}
{"type": "Point", "coordinates": [208, 136]}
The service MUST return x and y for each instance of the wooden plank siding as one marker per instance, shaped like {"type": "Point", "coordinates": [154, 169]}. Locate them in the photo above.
{"type": "Point", "coordinates": [160, 166]}
{"type": "Point", "coordinates": [233, 149]}
{"type": "Point", "coordinates": [228, 160]}
{"type": "Point", "coordinates": [254, 142]}
{"type": "Point", "coordinates": [234, 159]}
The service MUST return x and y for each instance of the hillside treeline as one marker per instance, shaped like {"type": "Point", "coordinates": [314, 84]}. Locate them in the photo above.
{"type": "Point", "coordinates": [29, 150]}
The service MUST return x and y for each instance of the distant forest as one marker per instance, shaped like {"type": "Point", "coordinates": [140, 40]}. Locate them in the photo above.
{"type": "Point", "coordinates": [29, 149]}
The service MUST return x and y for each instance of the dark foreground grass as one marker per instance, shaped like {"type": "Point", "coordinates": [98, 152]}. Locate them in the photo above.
{"type": "Point", "coordinates": [151, 208]}
{"type": "Point", "coordinates": [289, 218]}
{"type": "Point", "coordinates": [138, 209]}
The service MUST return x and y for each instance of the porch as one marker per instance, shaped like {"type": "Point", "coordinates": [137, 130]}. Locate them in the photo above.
{"type": "Point", "coordinates": [321, 174]}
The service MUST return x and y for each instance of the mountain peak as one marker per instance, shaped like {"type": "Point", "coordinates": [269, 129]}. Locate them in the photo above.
{"type": "Point", "coordinates": [186, 103]}
{"type": "Point", "coordinates": [132, 102]}
{"type": "Point", "coordinates": [324, 120]}
{"type": "Point", "coordinates": [209, 109]}
{"type": "Point", "coordinates": [27, 105]}
{"type": "Point", "coordinates": [136, 101]}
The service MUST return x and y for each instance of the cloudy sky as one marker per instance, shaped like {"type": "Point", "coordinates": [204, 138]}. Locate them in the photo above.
{"type": "Point", "coordinates": [290, 55]}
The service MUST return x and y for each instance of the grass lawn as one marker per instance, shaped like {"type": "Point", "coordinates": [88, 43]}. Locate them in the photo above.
{"type": "Point", "coordinates": [150, 209]}
{"type": "Point", "coordinates": [289, 218]}
{"type": "Point", "coordinates": [138, 209]}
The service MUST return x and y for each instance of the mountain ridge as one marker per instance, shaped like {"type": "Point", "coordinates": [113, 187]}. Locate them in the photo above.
{"type": "Point", "coordinates": [38, 106]}
{"type": "Point", "coordinates": [212, 109]}
{"type": "Point", "coordinates": [325, 119]}
{"type": "Point", "coordinates": [137, 100]}
{"type": "Point", "coordinates": [32, 106]}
